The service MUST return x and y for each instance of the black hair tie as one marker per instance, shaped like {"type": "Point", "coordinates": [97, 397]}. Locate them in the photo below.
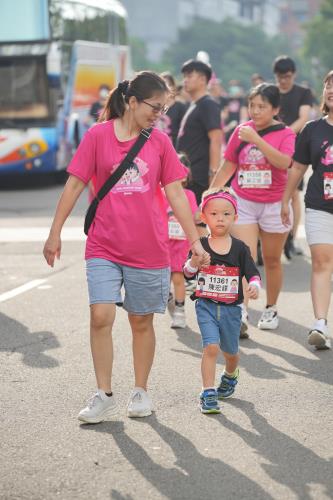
{"type": "Point", "coordinates": [123, 86]}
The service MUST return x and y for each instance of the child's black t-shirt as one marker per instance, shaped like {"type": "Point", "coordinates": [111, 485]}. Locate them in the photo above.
{"type": "Point", "coordinates": [314, 146]}
{"type": "Point", "coordinates": [238, 256]}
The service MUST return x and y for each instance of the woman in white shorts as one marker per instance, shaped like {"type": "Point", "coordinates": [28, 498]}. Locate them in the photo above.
{"type": "Point", "coordinates": [315, 147]}
{"type": "Point", "coordinates": [258, 155]}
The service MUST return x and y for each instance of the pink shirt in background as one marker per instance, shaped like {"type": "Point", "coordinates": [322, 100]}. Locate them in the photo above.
{"type": "Point", "coordinates": [283, 141]}
{"type": "Point", "coordinates": [179, 249]}
{"type": "Point", "coordinates": [130, 226]}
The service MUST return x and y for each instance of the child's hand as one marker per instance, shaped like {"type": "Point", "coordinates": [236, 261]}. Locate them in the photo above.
{"type": "Point", "coordinates": [253, 291]}
{"type": "Point", "coordinates": [196, 261]}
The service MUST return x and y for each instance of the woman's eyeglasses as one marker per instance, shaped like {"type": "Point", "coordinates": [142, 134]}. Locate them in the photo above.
{"type": "Point", "coordinates": [157, 108]}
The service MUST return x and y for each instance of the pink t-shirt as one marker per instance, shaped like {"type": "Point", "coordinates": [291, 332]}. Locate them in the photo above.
{"type": "Point", "coordinates": [130, 225]}
{"type": "Point", "coordinates": [179, 248]}
{"type": "Point", "coordinates": [255, 179]}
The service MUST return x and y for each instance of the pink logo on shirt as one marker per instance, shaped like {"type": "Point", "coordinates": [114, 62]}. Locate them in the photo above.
{"type": "Point", "coordinates": [328, 160]}
{"type": "Point", "coordinates": [133, 180]}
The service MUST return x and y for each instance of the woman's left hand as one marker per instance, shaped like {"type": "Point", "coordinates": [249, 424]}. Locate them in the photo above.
{"type": "Point", "coordinates": [247, 134]}
{"type": "Point", "coordinates": [197, 249]}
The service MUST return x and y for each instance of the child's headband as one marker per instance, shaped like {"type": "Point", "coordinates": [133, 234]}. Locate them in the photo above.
{"type": "Point", "coordinates": [224, 195]}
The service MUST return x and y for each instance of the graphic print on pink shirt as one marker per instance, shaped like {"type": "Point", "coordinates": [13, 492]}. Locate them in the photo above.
{"type": "Point", "coordinates": [272, 179]}
{"type": "Point", "coordinates": [254, 171]}
{"type": "Point", "coordinates": [133, 180]}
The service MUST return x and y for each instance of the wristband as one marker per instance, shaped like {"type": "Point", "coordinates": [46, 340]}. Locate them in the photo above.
{"type": "Point", "coordinates": [190, 269]}
{"type": "Point", "coordinates": [255, 283]}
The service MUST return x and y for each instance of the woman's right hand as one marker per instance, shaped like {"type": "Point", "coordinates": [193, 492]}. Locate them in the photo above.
{"type": "Point", "coordinates": [52, 249]}
{"type": "Point", "coordinates": [285, 213]}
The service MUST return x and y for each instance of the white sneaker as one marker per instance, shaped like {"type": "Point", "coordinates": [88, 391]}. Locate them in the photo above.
{"type": "Point", "coordinates": [178, 319]}
{"type": "Point", "coordinates": [98, 408]}
{"type": "Point", "coordinates": [244, 325]}
{"type": "Point", "coordinates": [318, 335]}
{"type": "Point", "coordinates": [140, 404]}
{"type": "Point", "coordinates": [269, 319]}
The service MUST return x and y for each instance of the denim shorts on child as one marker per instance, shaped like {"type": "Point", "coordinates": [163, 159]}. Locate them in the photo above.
{"type": "Point", "coordinates": [266, 215]}
{"type": "Point", "coordinates": [219, 324]}
{"type": "Point", "coordinates": [146, 290]}
{"type": "Point", "coordinates": [318, 227]}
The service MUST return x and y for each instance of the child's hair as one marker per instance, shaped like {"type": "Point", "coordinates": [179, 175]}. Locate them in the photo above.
{"type": "Point", "coordinates": [214, 192]}
{"type": "Point", "coordinates": [323, 106]}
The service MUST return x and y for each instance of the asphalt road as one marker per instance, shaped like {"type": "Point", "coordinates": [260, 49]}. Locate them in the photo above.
{"type": "Point", "coordinates": [273, 439]}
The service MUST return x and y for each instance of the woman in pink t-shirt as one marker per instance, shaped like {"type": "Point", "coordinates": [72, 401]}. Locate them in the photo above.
{"type": "Point", "coordinates": [127, 243]}
{"type": "Point", "coordinates": [258, 165]}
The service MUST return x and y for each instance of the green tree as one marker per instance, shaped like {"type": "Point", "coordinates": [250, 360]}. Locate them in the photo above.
{"type": "Point", "coordinates": [318, 39]}
{"type": "Point", "coordinates": [236, 51]}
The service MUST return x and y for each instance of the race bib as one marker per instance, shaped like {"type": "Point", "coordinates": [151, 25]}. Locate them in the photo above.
{"type": "Point", "coordinates": [328, 185]}
{"type": "Point", "coordinates": [254, 176]}
{"type": "Point", "coordinates": [175, 229]}
{"type": "Point", "coordinates": [219, 283]}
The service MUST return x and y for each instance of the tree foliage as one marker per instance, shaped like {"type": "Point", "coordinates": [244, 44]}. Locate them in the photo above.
{"type": "Point", "coordinates": [319, 37]}
{"type": "Point", "coordinates": [236, 51]}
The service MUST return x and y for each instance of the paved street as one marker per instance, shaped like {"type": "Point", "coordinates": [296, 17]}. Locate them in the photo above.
{"type": "Point", "coordinates": [273, 439]}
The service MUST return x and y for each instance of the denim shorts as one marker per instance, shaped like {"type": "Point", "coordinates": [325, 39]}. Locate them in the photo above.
{"type": "Point", "coordinates": [219, 324]}
{"type": "Point", "coordinates": [146, 290]}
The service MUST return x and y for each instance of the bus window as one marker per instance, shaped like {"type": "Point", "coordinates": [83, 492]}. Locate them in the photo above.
{"type": "Point", "coordinates": [23, 89]}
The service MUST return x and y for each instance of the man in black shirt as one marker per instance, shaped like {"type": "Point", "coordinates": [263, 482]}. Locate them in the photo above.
{"type": "Point", "coordinates": [200, 130]}
{"type": "Point", "coordinates": [295, 107]}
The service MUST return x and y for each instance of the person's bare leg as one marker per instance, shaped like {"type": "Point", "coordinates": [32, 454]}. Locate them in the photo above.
{"type": "Point", "coordinates": [272, 247]}
{"type": "Point", "coordinates": [322, 269]}
{"type": "Point", "coordinates": [179, 286]}
{"type": "Point", "coordinates": [102, 317]}
{"type": "Point", "coordinates": [143, 346]}
{"type": "Point", "coordinates": [231, 362]}
{"type": "Point", "coordinates": [208, 365]}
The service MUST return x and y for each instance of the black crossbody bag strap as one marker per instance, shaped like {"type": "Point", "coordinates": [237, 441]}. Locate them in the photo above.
{"type": "Point", "coordinates": [115, 177]}
{"type": "Point", "coordinates": [264, 131]}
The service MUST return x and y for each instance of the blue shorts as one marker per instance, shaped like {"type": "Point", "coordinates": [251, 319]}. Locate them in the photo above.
{"type": "Point", "coordinates": [146, 290]}
{"type": "Point", "coordinates": [219, 324]}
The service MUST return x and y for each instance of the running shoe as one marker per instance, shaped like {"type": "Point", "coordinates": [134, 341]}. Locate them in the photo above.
{"type": "Point", "coordinates": [209, 401]}
{"type": "Point", "coordinates": [99, 407]}
{"type": "Point", "coordinates": [178, 318]}
{"type": "Point", "coordinates": [140, 404]}
{"type": "Point", "coordinates": [227, 385]}
{"type": "Point", "coordinates": [269, 319]}
{"type": "Point", "coordinates": [318, 336]}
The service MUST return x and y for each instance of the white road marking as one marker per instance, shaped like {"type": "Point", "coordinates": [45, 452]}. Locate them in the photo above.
{"type": "Point", "coordinates": [21, 289]}
{"type": "Point", "coordinates": [30, 234]}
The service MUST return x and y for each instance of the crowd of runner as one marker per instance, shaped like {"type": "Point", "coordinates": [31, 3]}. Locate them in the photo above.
{"type": "Point", "coordinates": [204, 219]}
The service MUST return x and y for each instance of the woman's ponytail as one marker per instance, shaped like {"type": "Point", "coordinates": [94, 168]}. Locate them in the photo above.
{"type": "Point", "coordinates": [115, 105]}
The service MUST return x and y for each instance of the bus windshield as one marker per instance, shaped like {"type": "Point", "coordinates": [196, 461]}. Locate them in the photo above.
{"type": "Point", "coordinates": [23, 89]}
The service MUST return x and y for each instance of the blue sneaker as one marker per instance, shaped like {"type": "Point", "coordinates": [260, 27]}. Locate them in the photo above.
{"type": "Point", "coordinates": [227, 385]}
{"type": "Point", "coordinates": [209, 401]}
